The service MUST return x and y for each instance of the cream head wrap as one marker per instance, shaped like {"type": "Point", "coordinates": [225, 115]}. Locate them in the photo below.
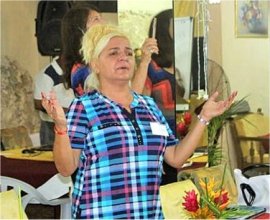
{"type": "Point", "coordinates": [94, 41]}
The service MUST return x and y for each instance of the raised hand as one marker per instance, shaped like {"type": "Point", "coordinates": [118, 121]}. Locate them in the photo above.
{"type": "Point", "coordinates": [149, 46]}
{"type": "Point", "coordinates": [213, 108]}
{"type": "Point", "coordinates": [54, 109]}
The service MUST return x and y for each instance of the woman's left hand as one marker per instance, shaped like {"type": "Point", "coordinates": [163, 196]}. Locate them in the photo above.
{"type": "Point", "coordinates": [213, 108]}
{"type": "Point", "coordinates": [149, 46]}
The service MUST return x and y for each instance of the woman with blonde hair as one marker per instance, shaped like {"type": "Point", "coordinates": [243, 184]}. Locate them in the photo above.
{"type": "Point", "coordinates": [117, 138]}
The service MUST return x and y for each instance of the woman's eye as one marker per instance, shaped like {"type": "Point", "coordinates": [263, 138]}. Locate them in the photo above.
{"type": "Point", "coordinates": [114, 53]}
{"type": "Point", "coordinates": [130, 54]}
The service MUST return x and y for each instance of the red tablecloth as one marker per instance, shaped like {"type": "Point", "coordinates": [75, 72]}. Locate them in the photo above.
{"type": "Point", "coordinates": [30, 171]}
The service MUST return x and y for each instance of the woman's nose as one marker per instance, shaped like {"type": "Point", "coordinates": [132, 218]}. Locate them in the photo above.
{"type": "Point", "coordinates": [123, 56]}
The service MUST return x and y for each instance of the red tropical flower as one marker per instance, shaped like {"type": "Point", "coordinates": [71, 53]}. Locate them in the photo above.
{"type": "Point", "coordinates": [182, 129]}
{"type": "Point", "coordinates": [222, 200]}
{"type": "Point", "coordinates": [191, 203]}
{"type": "Point", "coordinates": [187, 118]}
{"type": "Point", "coordinates": [183, 123]}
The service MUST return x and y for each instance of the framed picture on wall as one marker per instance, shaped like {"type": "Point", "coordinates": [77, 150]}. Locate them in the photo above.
{"type": "Point", "coordinates": [251, 18]}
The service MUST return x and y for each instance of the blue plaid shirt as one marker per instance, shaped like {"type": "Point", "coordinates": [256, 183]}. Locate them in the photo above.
{"type": "Point", "coordinates": [121, 160]}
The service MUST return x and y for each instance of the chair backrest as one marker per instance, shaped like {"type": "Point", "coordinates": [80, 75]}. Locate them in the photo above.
{"type": "Point", "coordinates": [253, 124]}
{"type": "Point", "coordinates": [246, 127]}
{"type": "Point", "coordinates": [171, 197]}
{"type": "Point", "coordinates": [235, 153]}
{"type": "Point", "coordinates": [216, 172]}
{"type": "Point", "coordinates": [10, 206]}
{"type": "Point", "coordinates": [29, 193]}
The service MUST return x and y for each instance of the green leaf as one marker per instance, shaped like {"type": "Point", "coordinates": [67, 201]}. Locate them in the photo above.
{"type": "Point", "coordinates": [234, 212]}
{"type": "Point", "coordinates": [214, 128]}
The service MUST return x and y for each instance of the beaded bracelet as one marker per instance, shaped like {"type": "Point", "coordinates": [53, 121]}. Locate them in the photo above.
{"type": "Point", "coordinates": [60, 132]}
{"type": "Point", "coordinates": [202, 120]}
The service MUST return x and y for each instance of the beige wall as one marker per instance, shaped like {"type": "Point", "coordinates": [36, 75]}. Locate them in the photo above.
{"type": "Point", "coordinates": [245, 61]}
{"type": "Point", "coordinates": [18, 40]}
{"type": "Point", "coordinates": [214, 36]}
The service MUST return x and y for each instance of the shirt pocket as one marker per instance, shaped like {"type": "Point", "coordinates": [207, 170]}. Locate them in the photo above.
{"type": "Point", "coordinates": [107, 135]}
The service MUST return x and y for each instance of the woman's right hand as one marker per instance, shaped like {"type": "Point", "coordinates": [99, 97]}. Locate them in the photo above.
{"type": "Point", "coordinates": [54, 109]}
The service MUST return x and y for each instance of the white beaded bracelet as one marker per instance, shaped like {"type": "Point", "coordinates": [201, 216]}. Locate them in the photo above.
{"type": "Point", "coordinates": [202, 120]}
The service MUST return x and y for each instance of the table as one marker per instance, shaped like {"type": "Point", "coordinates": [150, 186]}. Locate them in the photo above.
{"type": "Point", "coordinates": [32, 170]}
{"type": "Point", "coordinates": [196, 161]}
{"type": "Point", "coordinates": [37, 169]}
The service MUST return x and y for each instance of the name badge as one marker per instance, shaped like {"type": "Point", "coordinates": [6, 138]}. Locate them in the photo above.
{"type": "Point", "coordinates": [159, 129]}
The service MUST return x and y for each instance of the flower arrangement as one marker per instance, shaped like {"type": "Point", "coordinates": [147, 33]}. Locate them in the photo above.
{"type": "Point", "coordinates": [212, 203]}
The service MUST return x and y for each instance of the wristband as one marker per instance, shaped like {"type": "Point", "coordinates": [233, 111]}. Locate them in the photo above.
{"type": "Point", "coordinates": [202, 120]}
{"type": "Point", "coordinates": [60, 132]}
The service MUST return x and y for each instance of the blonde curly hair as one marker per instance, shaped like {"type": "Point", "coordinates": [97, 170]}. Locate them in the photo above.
{"type": "Point", "coordinates": [93, 42]}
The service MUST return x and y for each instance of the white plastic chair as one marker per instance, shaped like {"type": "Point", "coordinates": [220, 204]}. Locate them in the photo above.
{"type": "Point", "coordinates": [33, 196]}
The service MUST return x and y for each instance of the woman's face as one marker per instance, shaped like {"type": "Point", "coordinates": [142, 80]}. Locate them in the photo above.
{"type": "Point", "coordinates": [93, 18]}
{"type": "Point", "coordinates": [116, 61]}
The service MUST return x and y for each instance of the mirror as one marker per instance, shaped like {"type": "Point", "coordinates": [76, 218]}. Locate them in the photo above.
{"type": "Point", "coordinates": [183, 35]}
{"type": "Point", "coordinates": [206, 75]}
{"type": "Point", "coordinates": [139, 13]}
